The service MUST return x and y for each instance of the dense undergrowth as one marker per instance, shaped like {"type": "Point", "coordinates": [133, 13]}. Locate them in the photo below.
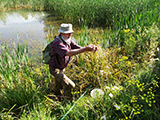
{"type": "Point", "coordinates": [125, 67]}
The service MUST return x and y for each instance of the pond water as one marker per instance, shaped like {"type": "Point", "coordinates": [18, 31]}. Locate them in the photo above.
{"type": "Point", "coordinates": [26, 26]}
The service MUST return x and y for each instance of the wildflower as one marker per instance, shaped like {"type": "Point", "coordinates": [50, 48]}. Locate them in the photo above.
{"type": "Point", "coordinates": [134, 99]}
{"type": "Point", "coordinates": [124, 57]}
{"type": "Point", "coordinates": [138, 112]}
{"type": "Point", "coordinates": [101, 72]}
{"type": "Point", "coordinates": [135, 113]}
{"type": "Point", "coordinates": [128, 63]}
{"type": "Point", "coordinates": [117, 107]}
{"type": "Point", "coordinates": [152, 60]}
{"type": "Point", "coordinates": [103, 117]}
{"type": "Point", "coordinates": [149, 105]}
{"type": "Point", "coordinates": [107, 87]}
{"type": "Point", "coordinates": [119, 48]}
{"type": "Point", "coordinates": [115, 88]}
{"type": "Point", "coordinates": [127, 30]}
{"type": "Point", "coordinates": [111, 95]}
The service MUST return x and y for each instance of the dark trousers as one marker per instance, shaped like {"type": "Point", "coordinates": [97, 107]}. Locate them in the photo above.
{"type": "Point", "coordinates": [62, 82]}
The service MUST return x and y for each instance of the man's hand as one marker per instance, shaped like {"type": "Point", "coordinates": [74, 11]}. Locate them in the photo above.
{"type": "Point", "coordinates": [91, 48]}
{"type": "Point", "coordinates": [81, 50]}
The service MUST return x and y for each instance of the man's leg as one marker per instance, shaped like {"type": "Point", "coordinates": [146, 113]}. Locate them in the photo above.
{"type": "Point", "coordinates": [58, 86]}
{"type": "Point", "coordinates": [68, 84]}
{"type": "Point", "coordinates": [62, 80]}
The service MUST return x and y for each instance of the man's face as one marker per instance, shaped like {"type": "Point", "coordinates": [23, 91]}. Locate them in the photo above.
{"type": "Point", "coordinates": [66, 35]}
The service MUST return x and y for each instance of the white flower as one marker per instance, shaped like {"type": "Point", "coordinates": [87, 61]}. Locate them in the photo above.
{"type": "Point", "coordinates": [115, 88]}
{"type": "Point", "coordinates": [107, 66]}
{"type": "Point", "coordinates": [117, 107]}
{"type": "Point", "coordinates": [108, 88]}
{"type": "Point", "coordinates": [111, 95]}
{"type": "Point", "coordinates": [103, 117]}
{"type": "Point", "coordinates": [152, 60]}
{"type": "Point", "coordinates": [101, 72]}
{"type": "Point", "coordinates": [96, 93]}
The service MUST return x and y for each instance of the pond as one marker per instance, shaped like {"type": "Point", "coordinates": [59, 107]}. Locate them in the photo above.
{"type": "Point", "coordinates": [27, 26]}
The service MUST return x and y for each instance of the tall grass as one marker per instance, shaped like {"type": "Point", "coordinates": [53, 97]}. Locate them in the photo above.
{"type": "Point", "coordinates": [17, 85]}
{"type": "Point", "coordinates": [23, 84]}
{"type": "Point", "coordinates": [38, 113]}
{"type": "Point", "coordinates": [116, 14]}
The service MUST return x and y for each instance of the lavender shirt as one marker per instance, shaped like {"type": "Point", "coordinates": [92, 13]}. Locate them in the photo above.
{"type": "Point", "coordinates": [58, 52]}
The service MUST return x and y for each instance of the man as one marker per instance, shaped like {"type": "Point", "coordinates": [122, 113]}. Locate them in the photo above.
{"type": "Point", "coordinates": [62, 48]}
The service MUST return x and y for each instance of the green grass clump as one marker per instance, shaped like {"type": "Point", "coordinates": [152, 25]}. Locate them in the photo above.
{"type": "Point", "coordinates": [17, 85]}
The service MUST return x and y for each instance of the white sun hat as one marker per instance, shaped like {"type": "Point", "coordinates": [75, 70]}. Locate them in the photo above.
{"type": "Point", "coordinates": [97, 93]}
{"type": "Point", "coordinates": [66, 28]}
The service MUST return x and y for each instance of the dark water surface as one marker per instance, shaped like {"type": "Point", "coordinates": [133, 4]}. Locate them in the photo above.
{"type": "Point", "coordinates": [26, 26]}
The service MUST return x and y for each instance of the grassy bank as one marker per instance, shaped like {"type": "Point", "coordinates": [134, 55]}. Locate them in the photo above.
{"type": "Point", "coordinates": [125, 67]}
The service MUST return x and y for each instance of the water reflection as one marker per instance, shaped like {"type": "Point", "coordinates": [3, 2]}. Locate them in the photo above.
{"type": "Point", "coordinates": [24, 26]}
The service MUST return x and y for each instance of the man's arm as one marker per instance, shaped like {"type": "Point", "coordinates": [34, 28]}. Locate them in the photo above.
{"type": "Point", "coordinates": [81, 50]}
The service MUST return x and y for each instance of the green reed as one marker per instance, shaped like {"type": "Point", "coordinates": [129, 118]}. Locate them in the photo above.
{"type": "Point", "coordinates": [116, 14]}
{"type": "Point", "coordinates": [18, 90]}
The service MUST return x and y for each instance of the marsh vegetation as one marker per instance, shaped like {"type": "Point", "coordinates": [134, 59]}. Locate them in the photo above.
{"type": "Point", "coordinates": [126, 66]}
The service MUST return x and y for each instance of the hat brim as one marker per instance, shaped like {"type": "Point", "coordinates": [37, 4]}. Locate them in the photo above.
{"type": "Point", "coordinates": [61, 31]}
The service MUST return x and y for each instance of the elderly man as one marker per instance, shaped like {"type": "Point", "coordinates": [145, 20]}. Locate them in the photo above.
{"type": "Point", "coordinates": [62, 48]}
